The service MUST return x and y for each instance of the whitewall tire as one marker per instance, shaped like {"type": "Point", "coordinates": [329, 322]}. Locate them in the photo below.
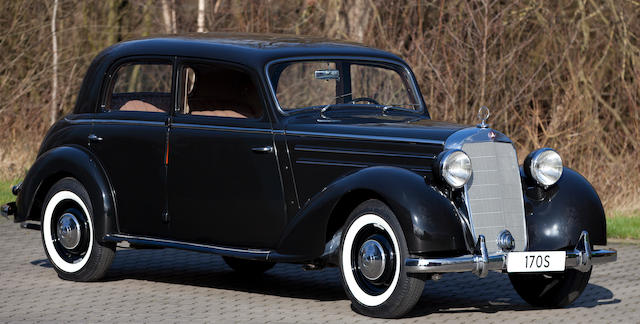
{"type": "Point", "coordinates": [48, 236]}
{"type": "Point", "coordinates": [372, 254]}
{"type": "Point", "coordinates": [68, 234]}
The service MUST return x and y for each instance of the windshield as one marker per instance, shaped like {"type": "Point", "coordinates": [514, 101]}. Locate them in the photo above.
{"type": "Point", "coordinates": [313, 84]}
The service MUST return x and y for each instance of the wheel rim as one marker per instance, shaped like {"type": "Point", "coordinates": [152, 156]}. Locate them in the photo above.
{"type": "Point", "coordinates": [373, 263]}
{"type": "Point", "coordinates": [370, 260]}
{"type": "Point", "coordinates": [67, 231]}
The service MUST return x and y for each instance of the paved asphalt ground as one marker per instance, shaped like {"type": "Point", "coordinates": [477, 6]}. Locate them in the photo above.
{"type": "Point", "coordinates": [179, 286]}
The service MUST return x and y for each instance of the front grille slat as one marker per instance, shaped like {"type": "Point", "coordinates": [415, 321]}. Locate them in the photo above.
{"type": "Point", "coordinates": [494, 193]}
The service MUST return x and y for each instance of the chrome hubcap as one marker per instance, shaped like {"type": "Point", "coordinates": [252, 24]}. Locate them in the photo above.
{"type": "Point", "coordinates": [68, 231]}
{"type": "Point", "coordinates": [371, 260]}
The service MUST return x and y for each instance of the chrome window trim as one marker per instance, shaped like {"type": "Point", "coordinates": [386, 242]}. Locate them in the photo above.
{"type": "Point", "coordinates": [403, 66]}
{"type": "Point", "coordinates": [117, 121]}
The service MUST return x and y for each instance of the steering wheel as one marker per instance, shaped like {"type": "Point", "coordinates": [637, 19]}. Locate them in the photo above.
{"type": "Point", "coordinates": [367, 99]}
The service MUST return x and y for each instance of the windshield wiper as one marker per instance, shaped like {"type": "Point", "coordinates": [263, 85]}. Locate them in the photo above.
{"type": "Point", "coordinates": [385, 108]}
{"type": "Point", "coordinates": [325, 108]}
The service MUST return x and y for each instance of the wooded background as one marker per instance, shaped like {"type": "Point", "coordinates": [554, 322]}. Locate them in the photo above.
{"type": "Point", "coordinates": [562, 74]}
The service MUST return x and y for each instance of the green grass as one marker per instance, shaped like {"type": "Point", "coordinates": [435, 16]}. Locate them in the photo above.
{"type": "Point", "coordinates": [624, 225]}
{"type": "Point", "coordinates": [5, 191]}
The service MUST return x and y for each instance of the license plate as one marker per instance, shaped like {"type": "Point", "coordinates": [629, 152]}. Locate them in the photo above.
{"type": "Point", "coordinates": [542, 261]}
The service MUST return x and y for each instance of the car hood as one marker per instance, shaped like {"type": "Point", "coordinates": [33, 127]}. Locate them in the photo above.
{"type": "Point", "coordinates": [396, 127]}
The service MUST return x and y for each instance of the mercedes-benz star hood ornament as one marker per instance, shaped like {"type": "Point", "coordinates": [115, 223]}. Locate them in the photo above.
{"type": "Point", "coordinates": [483, 115]}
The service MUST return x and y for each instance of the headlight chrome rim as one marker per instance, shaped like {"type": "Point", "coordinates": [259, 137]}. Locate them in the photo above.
{"type": "Point", "coordinates": [454, 168]}
{"type": "Point", "coordinates": [544, 166]}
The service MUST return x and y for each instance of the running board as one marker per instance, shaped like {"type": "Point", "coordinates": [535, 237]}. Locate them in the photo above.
{"type": "Point", "coordinates": [252, 254]}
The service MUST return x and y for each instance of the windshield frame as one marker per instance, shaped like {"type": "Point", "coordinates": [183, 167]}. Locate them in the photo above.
{"type": "Point", "coordinates": [393, 64]}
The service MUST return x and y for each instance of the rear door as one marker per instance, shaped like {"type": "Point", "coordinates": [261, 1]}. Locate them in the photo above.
{"type": "Point", "coordinates": [224, 182]}
{"type": "Point", "coordinates": [129, 137]}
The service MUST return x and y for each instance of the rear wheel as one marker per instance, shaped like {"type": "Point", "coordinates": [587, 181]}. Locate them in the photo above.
{"type": "Point", "coordinates": [372, 254]}
{"type": "Point", "coordinates": [68, 233]}
{"type": "Point", "coordinates": [550, 290]}
{"type": "Point", "coordinates": [248, 266]}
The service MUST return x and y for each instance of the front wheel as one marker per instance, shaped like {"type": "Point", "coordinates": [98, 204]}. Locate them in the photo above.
{"type": "Point", "coordinates": [550, 290]}
{"type": "Point", "coordinates": [68, 233]}
{"type": "Point", "coordinates": [372, 254]}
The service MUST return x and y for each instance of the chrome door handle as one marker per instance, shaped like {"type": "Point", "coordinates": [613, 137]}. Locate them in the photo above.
{"type": "Point", "coordinates": [265, 149]}
{"type": "Point", "coordinates": [94, 138]}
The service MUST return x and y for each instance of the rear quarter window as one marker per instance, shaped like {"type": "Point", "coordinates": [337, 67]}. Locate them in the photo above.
{"type": "Point", "coordinates": [141, 87]}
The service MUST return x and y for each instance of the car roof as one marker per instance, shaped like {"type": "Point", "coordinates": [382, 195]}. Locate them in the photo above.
{"type": "Point", "coordinates": [249, 49]}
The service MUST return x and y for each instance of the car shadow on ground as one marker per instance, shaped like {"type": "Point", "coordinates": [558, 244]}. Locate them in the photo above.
{"type": "Point", "coordinates": [454, 293]}
{"type": "Point", "coordinates": [465, 293]}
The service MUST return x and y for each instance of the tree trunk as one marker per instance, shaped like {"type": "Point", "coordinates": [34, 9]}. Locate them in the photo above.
{"type": "Point", "coordinates": [348, 18]}
{"type": "Point", "coordinates": [112, 19]}
{"type": "Point", "coordinates": [169, 16]}
{"type": "Point", "coordinates": [359, 14]}
{"type": "Point", "coordinates": [54, 86]}
{"type": "Point", "coordinates": [201, 10]}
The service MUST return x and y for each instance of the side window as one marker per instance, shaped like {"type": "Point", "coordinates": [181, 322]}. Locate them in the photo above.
{"type": "Point", "coordinates": [141, 87]}
{"type": "Point", "coordinates": [220, 91]}
{"type": "Point", "coordinates": [298, 85]}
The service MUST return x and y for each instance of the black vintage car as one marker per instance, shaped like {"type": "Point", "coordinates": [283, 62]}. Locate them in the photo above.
{"type": "Point", "coordinates": [268, 149]}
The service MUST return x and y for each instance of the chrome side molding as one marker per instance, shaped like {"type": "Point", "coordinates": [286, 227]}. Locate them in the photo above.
{"type": "Point", "coordinates": [581, 258]}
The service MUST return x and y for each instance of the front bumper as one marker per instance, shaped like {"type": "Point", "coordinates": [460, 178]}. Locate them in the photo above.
{"type": "Point", "coordinates": [581, 258]}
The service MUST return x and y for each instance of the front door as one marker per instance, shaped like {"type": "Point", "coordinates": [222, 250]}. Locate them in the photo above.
{"type": "Point", "coordinates": [224, 183]}
{"type": "Point", "coordinates": [129, 138]}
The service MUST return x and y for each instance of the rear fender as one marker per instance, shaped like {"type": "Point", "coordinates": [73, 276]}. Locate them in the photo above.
{"type": "Point", "coordinates": [68, 161]}
{"type": "Point", "coordinates": [430, 222]}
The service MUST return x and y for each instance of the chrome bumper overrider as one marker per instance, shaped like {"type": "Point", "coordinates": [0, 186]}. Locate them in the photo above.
{"type": "Point", "coordinates": [581, 258]}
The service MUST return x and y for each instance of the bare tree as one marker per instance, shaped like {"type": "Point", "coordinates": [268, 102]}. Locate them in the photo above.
{"type": "Point", "coordinates": [564, 76]}
{"type": "Point", "coordinates": [169, 16]}
{"type": "Point", "coordinates": [349, 18]}
{"type": "Point", "coordinates": [54, 86]}
{"type": "Point", "coordinates": [201, 10]}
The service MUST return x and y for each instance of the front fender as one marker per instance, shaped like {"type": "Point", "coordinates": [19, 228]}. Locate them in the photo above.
{"type": "Point", "coordinates": [68, 161]}
{"type": "Point", "coordinates": [556, 216]}
{"type": "Point", "coordinates": [429, 220]}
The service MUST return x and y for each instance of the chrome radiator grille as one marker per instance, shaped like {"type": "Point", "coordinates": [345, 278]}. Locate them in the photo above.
{"type": "Point", "coordinates": [494, 193]}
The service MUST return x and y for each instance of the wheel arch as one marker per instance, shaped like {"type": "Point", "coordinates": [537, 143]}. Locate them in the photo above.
{"type": "Point", "coordinates": [345, 205]}
{"type": "Point", "coordinates": [42, 189]}
{"type": "Point", "coordinates": [430, 222]}
{"type": "Point", "coordinates": [557, 215]}
{"type": "Point", "coordinates": [80, 164]}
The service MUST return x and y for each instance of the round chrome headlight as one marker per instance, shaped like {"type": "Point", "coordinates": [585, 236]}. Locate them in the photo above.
{"type": "Point", "coordinates": [454, 167]}
{"type": "Point", "coordinates": [544, 166]}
